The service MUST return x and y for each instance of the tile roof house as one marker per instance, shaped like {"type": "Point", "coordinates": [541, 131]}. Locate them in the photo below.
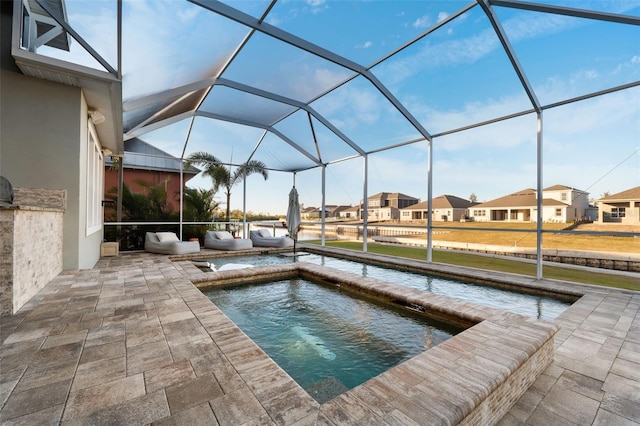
{"type": "Point", "coordinates": [387, 205]}
{"type": "Point", "coordinates": [445, 208]}
{"type": "Point", "coordinates": [559, 204]}
{"type": "Point", "coordinates": [623, 207]}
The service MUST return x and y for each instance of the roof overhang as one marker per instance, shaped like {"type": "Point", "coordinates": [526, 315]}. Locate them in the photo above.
{"type": "Point", "coordinates": [102, 90]}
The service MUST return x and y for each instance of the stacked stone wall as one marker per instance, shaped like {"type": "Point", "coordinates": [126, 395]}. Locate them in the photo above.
{"type": "Point", "coordinates": [31, 236]}
{"type": "Point", "coordinates": [37, 249]}
{"type": "Point", "coordinates": [42, 199]}
{"type": "Point", "coordinates": [6, 262]}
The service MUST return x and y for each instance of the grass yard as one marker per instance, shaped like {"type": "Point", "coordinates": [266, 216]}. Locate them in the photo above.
{"type": "Point", "coordinates": [495, 264]}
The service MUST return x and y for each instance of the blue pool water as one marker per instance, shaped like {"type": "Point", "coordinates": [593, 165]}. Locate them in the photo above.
{"type": "Point", "coordinates": [536, 306]}
{"type": "Point", "coordinates": [326, 340]}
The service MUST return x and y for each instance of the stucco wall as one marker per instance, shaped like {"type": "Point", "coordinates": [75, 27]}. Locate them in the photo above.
{"type": "Point", "coordinates": [632, 213]}
{"type": "Point", "coordinates": [40, 144]}
{"type": "Point", "coordinates": [43, 141]}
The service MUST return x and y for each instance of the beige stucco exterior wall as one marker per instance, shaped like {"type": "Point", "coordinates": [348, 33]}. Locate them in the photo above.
{"type": "Point", "coordinates": [632, 213]}
{"type": "Point", "coordinates": [577, 201]}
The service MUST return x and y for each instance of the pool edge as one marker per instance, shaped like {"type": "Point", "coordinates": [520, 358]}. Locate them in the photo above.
{"type": "Point", "coordinates": [481, 372]}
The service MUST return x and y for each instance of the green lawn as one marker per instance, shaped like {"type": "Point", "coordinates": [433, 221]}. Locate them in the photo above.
{"type": "Point", "coordinates": [494, 264]}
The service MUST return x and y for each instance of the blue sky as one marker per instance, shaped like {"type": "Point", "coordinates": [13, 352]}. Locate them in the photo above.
{"type": "Point", "coordinates": [457, 76]}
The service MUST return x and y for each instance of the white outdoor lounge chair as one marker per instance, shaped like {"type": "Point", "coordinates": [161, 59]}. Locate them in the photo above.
{"type": "Point", "coordinates": [263, 238]}
{"type": "Point", "coordinates": [223, 240]}
{"type": "Point", "coordinates": [168, 243]}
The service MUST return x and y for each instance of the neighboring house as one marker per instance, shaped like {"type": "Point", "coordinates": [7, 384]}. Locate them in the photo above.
{"type": "Point", "coordinates": [577, 200]}
{"type": "Point", "coordinates": [350, 213]}
{"type": "Point", "coordinates": [148, 164]}
{"type": "Point", "coordinates": [330, 211]}
{"type": "Point", "coordinates": [387, 205]}
{"type": "Point", "coordinates": [559, 204]}
{"type": "Point", "coordinates": [335, 212]}
{"type": "Point", "coordinates": [313, 212]}
{"type": "Point", "coordinates": [58, 119]}
{"type": "Point", "coordinates": [623, 207]}
{"type": "Point", "coordinates": [309, 213]}
{"type": "Point", "coordinates": [445, 208]}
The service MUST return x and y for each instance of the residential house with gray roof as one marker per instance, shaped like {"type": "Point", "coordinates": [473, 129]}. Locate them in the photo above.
{"type": "Point", "coordinates": [387, 205]}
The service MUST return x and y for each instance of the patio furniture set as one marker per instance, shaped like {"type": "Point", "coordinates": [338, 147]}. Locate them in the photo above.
{"type": "Point", "coordinates": [169, 243]}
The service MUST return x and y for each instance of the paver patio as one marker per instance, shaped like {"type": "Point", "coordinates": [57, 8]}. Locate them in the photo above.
{"type": "Point", "coordinates": [133, 341]}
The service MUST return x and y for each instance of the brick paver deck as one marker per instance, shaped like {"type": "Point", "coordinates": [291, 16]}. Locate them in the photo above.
{"type": "Point", "coordinates": [133, 341]}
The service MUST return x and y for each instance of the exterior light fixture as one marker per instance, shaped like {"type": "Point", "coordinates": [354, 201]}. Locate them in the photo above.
{"type": "Point", "coordinates": [96, 117]}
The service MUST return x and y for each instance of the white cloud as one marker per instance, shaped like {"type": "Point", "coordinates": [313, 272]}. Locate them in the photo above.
{"type": "Point", "coordinates": [437, 53]}
{"type": "Point", "coordinates": [367, 44]}
{"type": "Point", "coordinates": [524, 27]}
{"type": "Point", "coordinates": [306, 82]}
{"type": "Point", "coordinates": [188, 14]}
{"type": "Point", "coordinates": [433, 55]}
{"type": "Point", "coordinates": [317, 6]}
{"type": "Point", "coordinates": [422, 22]}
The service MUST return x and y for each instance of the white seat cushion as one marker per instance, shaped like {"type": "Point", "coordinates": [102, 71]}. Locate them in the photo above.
{"type": "Point", "coordinates": [223, 235]}
{"type": "Point", "coordinates": [167, 237]}
{"type": "Point", "coordinates": [264, 233]}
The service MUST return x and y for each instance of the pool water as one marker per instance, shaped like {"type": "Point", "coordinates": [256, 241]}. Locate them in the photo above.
{"type": "Point", "coordinates": [536, 306]}
{"type": "Point", "coordinates": [327, 340]}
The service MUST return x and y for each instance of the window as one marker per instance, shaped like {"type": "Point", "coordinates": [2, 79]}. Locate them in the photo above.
{"type": "Point", "coordinates": [564, 196]}
{"type": "Point", "coordinates": [558, 212]}
{"type": "Point", "coordinates": [479, 213]}
{"type": "Point", "coordinates": [618, 212]}
{"type": "Point", "coordinates": [95, 185]}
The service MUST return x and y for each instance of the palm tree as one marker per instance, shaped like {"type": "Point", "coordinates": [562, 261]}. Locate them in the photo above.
{"type": "Point", "coordinates": [199, 205]}
{"type": "Point", "coordinates": [224, 177]}
{"type": "Point", "coordinates": [151, 206]}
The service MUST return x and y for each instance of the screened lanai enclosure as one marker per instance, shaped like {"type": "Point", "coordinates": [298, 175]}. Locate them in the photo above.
{"type": "Point", "coordinates": [478, 99]}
